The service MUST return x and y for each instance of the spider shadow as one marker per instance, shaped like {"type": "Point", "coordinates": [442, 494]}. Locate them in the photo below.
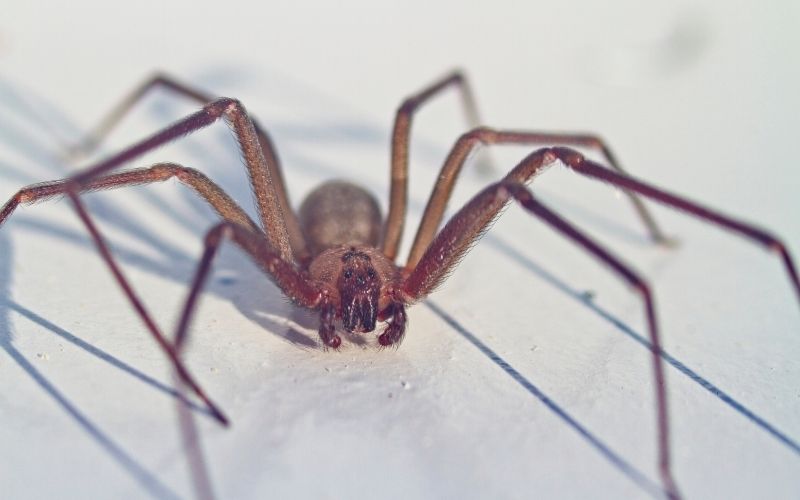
{"type": "Point", "coordinates": [148, 481]}
{"type": "Point", "coordinates": [626, 468]}
{"type": "Point", "coordinates": [620, 326]}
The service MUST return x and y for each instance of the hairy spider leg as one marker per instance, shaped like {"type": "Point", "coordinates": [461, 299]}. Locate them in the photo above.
{"type": "Point", "coordinates": [210, 192]}
{"type": "Point", "coordinates": [469, 223]}
{"type": "Point", "coordinates": [223, 204]}
{"type": "Point", "coordinates": [273, 164]}
{"type": "Point", "coordinates": [454, 241]}
{"type": "Point", "coordinates": [269, 209]}
{"type": "Point", "coordinates": [398, 196]}
{"type": "Point", "coordinates": [468, 142]}
{"type": "Point", "coordinates": [487, 204]}
{"type": "Point", "coordinates": [138, 306]}
{"type": "Point", "coordinates": [294, 284]}
{"type": "Point", "coordinates": [233, 112]}
{"type": "Point", "coordinates": [398, 188]}
{"type": "Point", "coordinates": [748, 231]}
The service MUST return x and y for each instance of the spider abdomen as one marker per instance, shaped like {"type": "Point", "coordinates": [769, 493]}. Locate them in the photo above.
{"type": "Point", "coordinates": [339, 213]}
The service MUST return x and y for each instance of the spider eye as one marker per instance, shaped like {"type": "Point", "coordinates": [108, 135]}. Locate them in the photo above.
{"type": "Point", "coordinates": [348, 274]}
{"type": "Point", "coordinates": [371, 274]}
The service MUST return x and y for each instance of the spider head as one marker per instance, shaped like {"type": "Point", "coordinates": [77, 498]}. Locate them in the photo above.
{"type": "Point", "coordinates": [359, 290]}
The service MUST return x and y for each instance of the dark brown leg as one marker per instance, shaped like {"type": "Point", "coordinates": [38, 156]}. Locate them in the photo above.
{"type": "Point", "coordinates": [270, 154]}
{"type": "Point", "coordinates": [467, 143]}
{"type": "Point", "coordinates": [294, 285]}
{"type": "Point", "coordinates": [398, 193]}
{"type": "Point", "coordinates": [269, 209]}
{"type": "Point", "coordinates": [393, 334]}
{"type": "Point", "coordinates": [458, 235]}
{"type": "Point", "coordinates": [472, 220]}
{"type": "Point", "coordinates": [749, 231]}
{"type": "Point", "coordinates": [213, 194]}
{"type": "Point", "coordinates": [166, 346]}
{"type": "Point", "coordinates": [217, 198]}
{"type": "Point", "coordinates": [327, 326]}
{"type": "Point", "coordinates": [523, 196]}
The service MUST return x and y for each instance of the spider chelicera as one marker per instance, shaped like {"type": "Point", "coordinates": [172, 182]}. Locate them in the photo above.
{"type": "Point", "coordinates": [337, 254]}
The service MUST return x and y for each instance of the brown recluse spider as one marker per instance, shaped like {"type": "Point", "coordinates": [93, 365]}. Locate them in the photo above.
{"type": "Point", "coordinates": [337, 254]}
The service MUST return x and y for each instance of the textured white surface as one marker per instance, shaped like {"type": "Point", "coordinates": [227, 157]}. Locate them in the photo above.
{"type": "Point", "coordinates": [700, 100]}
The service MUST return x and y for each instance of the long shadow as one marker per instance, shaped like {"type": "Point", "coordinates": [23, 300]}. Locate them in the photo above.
{"type": "Point", "coordinates": [620, 326]}
{"type": "Point", "coordinates": [146, 480]}
{"type": "Point", "coordinates": [607, 453]}
{"type": "Point", "coordinates": [37, 110]}
{"type": "Point", "coordinates": [142, 476]}
{"type": "Point", "coordinates": [101, 354]}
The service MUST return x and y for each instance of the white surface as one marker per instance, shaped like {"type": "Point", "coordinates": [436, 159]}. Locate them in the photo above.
{"type": "Point", "coordinates": [701, 100]}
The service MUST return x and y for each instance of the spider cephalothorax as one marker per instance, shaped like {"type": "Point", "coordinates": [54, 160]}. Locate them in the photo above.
{"type": "Point", "coordinates": [359, 287]}
{"type": "Point", "coordinates": [365, 298]}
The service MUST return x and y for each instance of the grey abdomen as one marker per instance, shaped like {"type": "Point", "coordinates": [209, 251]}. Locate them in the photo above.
{"type": "Point", "coordinates": [339, 213]}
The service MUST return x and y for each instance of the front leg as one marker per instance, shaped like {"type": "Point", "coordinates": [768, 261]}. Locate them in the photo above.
{"type": "Point", "coordinates": [458, 235]}
{"type": "Point", "coordinates": [393, 334]}
{"type": "Point", "coordinates": [327, 327]}
{"type": "Point", "coordinates": [223, 204]}
{"type": "Point", "coordinates": [272, 160]}
{"type": "Point", "coordinates": [272, 217]}
{"type": "Point", "coordinates": [295, 285]}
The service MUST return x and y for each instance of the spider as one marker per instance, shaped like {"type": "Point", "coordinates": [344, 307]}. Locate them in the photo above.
{"type": "Point", "coordinates": [337, 255]}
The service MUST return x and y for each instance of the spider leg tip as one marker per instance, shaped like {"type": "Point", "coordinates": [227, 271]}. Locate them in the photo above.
{"type": "Point", "coordinates": [221, 418]}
